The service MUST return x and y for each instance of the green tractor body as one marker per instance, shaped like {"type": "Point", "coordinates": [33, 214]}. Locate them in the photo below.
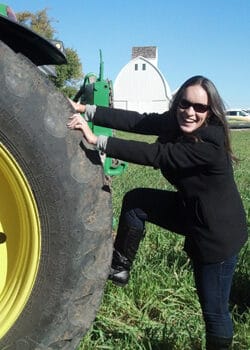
{"type": "Point", "coordinates": [3, 10]}
{"type": "Point", "coordinates": [6, 11]}
{"type": "Point", "coordinates": [99, 91]}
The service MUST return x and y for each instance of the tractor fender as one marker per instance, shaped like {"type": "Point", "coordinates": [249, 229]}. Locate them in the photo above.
{"type": "Point", "coordinates": [23, 40]}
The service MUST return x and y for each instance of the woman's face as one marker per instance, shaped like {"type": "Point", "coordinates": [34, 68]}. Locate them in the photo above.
{"type": "Point", "coordinates": [193, 108]}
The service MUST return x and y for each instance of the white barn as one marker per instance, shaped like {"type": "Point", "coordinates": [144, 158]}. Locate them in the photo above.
{"type": "Point", "coordinates": [140, 86]}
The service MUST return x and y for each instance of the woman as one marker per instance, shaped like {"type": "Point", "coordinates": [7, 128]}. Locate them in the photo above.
{"type": "Point", "coordinates": [194, 154]}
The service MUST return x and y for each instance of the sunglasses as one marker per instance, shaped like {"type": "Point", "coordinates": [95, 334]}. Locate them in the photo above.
{"type": "Point", "coordinates": [198, 107]}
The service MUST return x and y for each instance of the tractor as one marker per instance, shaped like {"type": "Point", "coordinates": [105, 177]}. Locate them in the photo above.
{"type": "Point", "coordinates": [55, 210]}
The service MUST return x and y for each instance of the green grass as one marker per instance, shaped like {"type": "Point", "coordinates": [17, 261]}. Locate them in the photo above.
{"type": "Point", "coordinates": [159, 308]}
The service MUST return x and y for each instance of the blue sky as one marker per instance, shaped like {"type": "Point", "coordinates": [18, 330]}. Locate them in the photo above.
{"type": "Point", "coordinates": [193, 37]}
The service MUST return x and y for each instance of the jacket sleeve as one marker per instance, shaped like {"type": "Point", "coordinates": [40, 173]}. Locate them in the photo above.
{"type": "Point", "coordinates": [130, 121]}
{"type": "Point", "coordinates": [168, 156]}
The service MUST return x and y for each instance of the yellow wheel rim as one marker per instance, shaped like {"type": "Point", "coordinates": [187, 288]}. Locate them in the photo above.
{"type": "Point", "coordinates": [19, 241]}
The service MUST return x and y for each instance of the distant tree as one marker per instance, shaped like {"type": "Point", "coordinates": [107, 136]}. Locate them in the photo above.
{"type": "Point", "coordinates": [39, 22]}
{"type": "Point", "coordinates": [68, 75]}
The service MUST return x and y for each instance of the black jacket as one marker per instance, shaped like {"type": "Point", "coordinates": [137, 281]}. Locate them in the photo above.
{"type": "Point", "coordinates": [199, 168]}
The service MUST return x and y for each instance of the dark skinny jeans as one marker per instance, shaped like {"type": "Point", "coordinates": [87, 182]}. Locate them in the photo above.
{"type": "Point", "coordinates": [213, 281]}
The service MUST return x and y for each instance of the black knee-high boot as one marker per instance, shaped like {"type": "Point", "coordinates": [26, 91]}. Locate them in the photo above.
{"type": "Point", "coordinates": [217, 343]}
{"type": "Point", "coordinates": [126, 245]}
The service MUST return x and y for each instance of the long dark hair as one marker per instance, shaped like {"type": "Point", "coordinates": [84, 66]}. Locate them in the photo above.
{"type": "Point", "coordinates": [217, 107]}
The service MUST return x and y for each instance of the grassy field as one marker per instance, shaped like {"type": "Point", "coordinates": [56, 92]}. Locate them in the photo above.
{"type": "Point", "coordinates": [159, 308]}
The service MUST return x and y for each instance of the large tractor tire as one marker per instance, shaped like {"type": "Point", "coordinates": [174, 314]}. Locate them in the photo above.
{"type": "Point", "coordinates": [55, 216]}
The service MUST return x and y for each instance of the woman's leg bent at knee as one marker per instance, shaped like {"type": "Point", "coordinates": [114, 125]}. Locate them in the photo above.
{"type": "Point", "coordinates": [140, 205]}
{"type": "Point", "coordinates": [162, 208]}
